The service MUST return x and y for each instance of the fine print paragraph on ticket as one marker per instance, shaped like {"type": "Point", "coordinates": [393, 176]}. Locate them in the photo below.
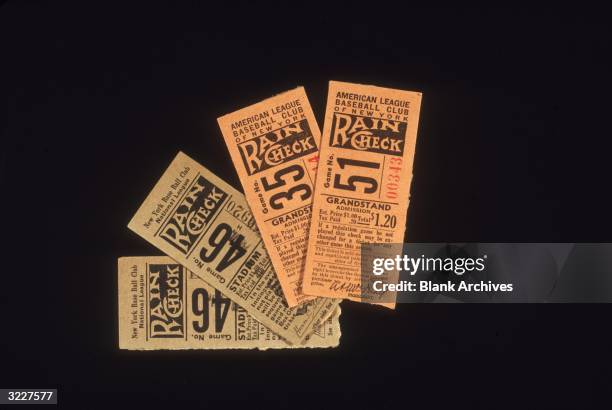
{"type": "Point", "coordinates": [274, 147]}
{"type": "Point", "coordinates": [204, 224]}
{"type": "Point", "coordinates": [164, 306]}
{"type": "Point", "coordinates": [363, 183]}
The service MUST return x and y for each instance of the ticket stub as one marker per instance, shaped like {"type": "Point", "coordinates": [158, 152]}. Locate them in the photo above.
{"type": "Point", "coordinates": [205, 225]}
{"type": "Point", "coordinates": [274, 147]}
{"type": "Point", "coordinates": [363, 182]}
{"type": "Point", "coordinates": [163, 305]}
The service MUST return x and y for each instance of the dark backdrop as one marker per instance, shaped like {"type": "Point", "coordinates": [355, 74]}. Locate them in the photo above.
{"type": "Point", "coordinates": [96, 100]}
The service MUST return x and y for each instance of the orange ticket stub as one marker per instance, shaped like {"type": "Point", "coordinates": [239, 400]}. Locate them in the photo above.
{"type": "Point", "coordinates": [274, 147]}
{"type": "Point", "coordinates": [363, 182]}
{"type": "Point", "coordinates": [162, 305]}
{"type": "Point", "coordinates": [205, 224]}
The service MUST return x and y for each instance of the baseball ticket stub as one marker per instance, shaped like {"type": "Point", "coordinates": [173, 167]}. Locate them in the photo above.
{"type": "Point", "coordinates": [162, 305]}
{"type": "Point", "coordinates": [205, 225]}
{"type": "Point", "coordinates": [274, 147]}
{"type": "Point", "coordinates": [363, 182]}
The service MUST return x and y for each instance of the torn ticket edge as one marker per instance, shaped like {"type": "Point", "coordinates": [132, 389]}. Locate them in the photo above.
{"type": "Point", "coordinates": [274, 147]}
{"type": "Point", "coordinates": [363, 183]}
{"type": "Point", "coordinates": [164, 306]}
{"type": "Point", "coordinates": [205, 224]}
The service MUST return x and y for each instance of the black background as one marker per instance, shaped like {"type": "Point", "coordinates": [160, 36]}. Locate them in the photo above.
{"type": "Point", "coordinates": [96, 100]}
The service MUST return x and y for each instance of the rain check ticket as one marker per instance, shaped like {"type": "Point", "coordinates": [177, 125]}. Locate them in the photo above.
{"type": "Point", "coordinates": [205, 225]}
{"type": "Point", "coordinates": [274, 147]}
{"type": "Point", "coordinates": [162, 305]}
{"type": "Point", "coordinates": [363, 182]}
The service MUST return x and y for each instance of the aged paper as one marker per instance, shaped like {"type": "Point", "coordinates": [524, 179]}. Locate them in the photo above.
{"type": "Point", "coordinates": [204, 224]}
{"type": "Point", "coordinates": [162, 305]}
{"type": "Point", "coordinates": [274, 147]}
{"type": "Point", "coordinates": [363, 182]}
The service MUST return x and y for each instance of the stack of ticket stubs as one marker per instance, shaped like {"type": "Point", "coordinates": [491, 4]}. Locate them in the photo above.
{"type": "Point", "coordinates": [267, 268]}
